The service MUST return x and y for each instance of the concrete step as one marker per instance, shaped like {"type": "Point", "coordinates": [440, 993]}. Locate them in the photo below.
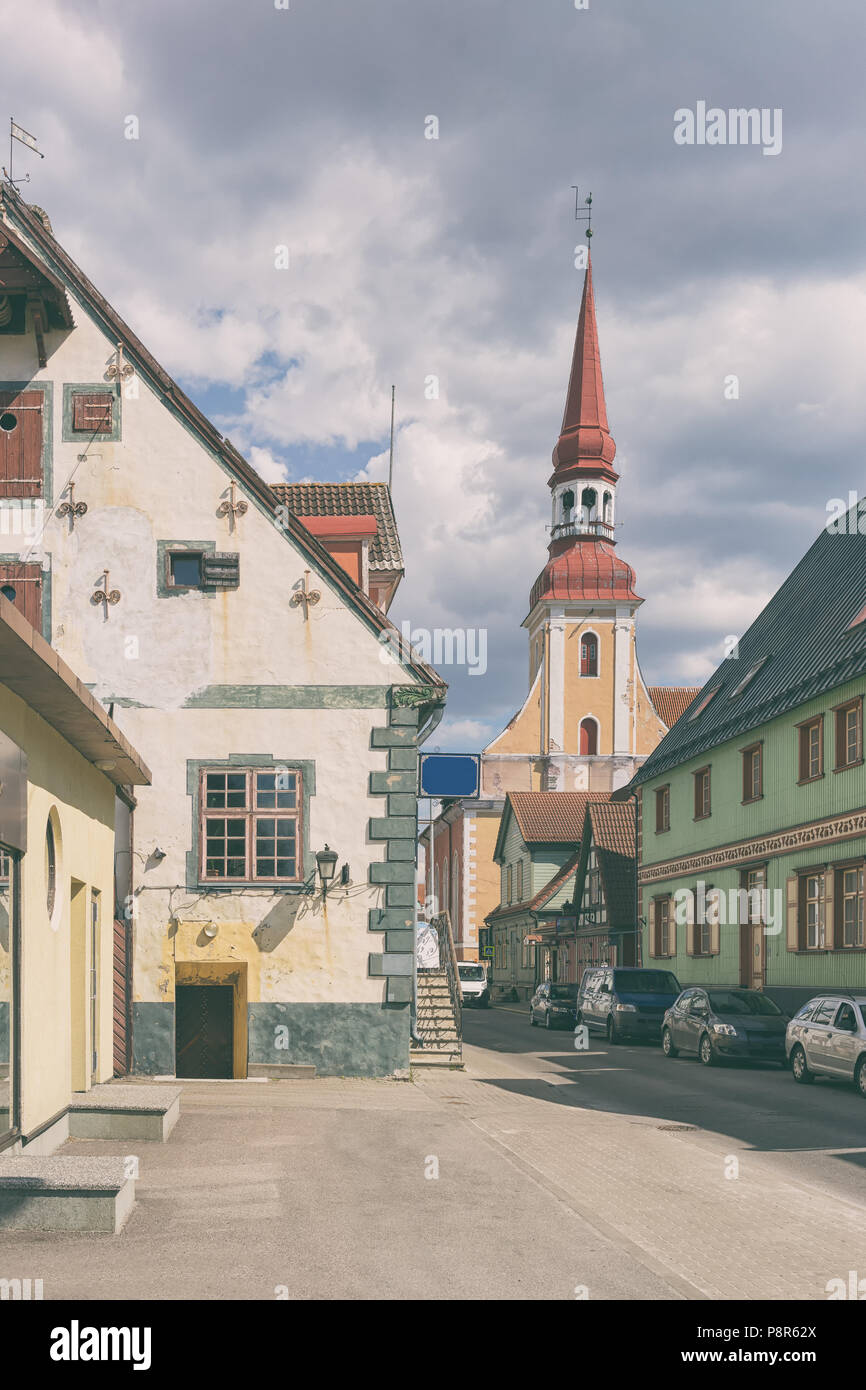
{"type": "Point", "coordinates": [64, 1193]}
{"type": "Point", "coordinates": [425, 1058]}
{"type": "Point", "coordinates": [110, 1111]}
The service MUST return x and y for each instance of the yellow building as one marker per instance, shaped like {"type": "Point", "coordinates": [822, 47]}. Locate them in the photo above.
{"type": "Point", "coordinates": [62, 763]}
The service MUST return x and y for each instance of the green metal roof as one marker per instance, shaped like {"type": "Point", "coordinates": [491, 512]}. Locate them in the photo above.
{"type": "Point", "coordinates": [805, 645]}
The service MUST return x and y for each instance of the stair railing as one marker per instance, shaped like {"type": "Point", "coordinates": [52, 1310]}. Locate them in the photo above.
{"type": "Point", "coordinates": [448, 962]}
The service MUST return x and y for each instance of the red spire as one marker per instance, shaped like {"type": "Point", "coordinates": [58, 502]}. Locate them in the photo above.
{"type": "Point", "coordinates": [585, 441]}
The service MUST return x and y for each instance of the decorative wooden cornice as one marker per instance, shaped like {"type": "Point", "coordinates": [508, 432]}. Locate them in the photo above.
{"type": "Point", "coordinates": [831, 830]}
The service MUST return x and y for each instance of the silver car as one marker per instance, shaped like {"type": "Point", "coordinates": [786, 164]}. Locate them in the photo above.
{"type": "Point", "coordinates": [827, 1037]}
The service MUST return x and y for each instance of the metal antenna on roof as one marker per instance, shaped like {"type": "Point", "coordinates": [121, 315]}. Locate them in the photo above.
{"type": "Point", "coordinates": [391, 458]}
{"type": "Point", "coordinates": [583, 216]}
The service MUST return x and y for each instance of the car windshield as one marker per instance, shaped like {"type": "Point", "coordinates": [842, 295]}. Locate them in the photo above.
{"type": "Point", "coordinates": [563, 991]}
{"type": "Point", "coordinates": [471, 972]}
{"type": "Point", "coordinates": [735, 1001]}
{"type": "Point", "coordinates": [645, 982]}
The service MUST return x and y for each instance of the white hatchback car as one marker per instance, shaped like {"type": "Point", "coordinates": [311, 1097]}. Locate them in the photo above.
{"type": "Point", "coordinates": [827, 1037]}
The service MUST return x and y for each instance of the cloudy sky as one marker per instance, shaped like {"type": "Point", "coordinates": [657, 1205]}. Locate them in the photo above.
{"type": "Point", "coordinates": [304, 124]}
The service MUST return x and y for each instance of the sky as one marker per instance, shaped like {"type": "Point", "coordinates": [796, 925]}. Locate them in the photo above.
{"type": "Point", "coordinates": [297, 203]}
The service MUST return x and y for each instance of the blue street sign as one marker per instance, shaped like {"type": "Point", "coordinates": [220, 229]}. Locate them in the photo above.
{"type": "Point", "coordinates": [450, 774]}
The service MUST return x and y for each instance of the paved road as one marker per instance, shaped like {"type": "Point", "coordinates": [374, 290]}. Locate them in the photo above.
{"type": "Point", "coordinates": [818, 1131]}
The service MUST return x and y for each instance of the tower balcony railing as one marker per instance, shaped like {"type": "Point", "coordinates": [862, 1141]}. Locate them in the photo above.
{"type": "Point", "coordinates": [577, 527]}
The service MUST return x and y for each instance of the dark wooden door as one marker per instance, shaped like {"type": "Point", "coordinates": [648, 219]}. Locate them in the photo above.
{"type": "Point", "coordinates": [22, 586]}
{"type": "Point", "coordinates": [120, 987]}
{"type": "Point", "coordinates": [204, 1030]}
{"type": "Point", "coordinates": [20, 443]}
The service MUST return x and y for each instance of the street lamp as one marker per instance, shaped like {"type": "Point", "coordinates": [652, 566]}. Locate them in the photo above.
{"type": "Point", "coordinates": [326, 863]}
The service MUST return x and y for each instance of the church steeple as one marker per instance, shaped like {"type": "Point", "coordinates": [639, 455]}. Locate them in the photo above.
{"type": "Point", "coordinates": [585, 441]}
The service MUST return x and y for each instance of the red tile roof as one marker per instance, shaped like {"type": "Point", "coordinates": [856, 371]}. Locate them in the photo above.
{"type": "Point", "coordinates": [552, 817]}
{"type": "Point", "coordinates": [581, 568]}
{"type": "Point", "coordinates": [671, 701]}
{"type": "Point", "coordinates": [349, 499]}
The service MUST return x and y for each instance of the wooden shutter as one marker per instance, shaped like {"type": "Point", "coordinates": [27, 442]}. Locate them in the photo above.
{"type": "Point", "coordinates": [120, 991]}
{"type": "Point", "coordinates": [21, 443]}
{"type": "Point", "coordinates": [92, 412]}
{"type": "Point", "coordinates": [829, 908]}
{"type": "Point", "coordinates": [220, 569]}
{"type": "Point", "coordinates": [26, 581]}
{"type": "Point", "coordinates": [793, 912]}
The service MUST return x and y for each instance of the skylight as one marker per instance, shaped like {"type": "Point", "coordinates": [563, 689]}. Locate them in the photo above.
{"type": "Point", "coordinates": [699, 709]}
{"type": "Point", "coordinates": [750, 674]}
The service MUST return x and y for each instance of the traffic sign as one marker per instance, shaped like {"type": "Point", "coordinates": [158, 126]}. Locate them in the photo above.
{"type": "Point", "coordinates": [450, 774]}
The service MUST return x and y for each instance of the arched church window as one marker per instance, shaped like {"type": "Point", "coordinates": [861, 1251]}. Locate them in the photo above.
{"type": "Point", "coordinates": [567, 505]}
{"type": "Point", "coordinates": [589, 654]}
{"type": "Point", "coordinates": [588, 737]}
{"type": "Point", "coordinates": [608, 508]}
{"type": "Point", "coordinates": [589, 504]}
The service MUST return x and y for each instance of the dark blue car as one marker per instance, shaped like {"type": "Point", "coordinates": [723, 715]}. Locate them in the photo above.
{"type": "Point", "coordinates": [626, 1002]}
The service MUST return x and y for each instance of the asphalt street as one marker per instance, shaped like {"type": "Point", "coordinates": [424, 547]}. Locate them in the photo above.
{"type": "Point", "coordinates": [819, 1130]}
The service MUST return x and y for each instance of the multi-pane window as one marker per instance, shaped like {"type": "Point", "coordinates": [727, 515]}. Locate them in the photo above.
{"type": "Point", "coordinates": [594, 890]}
{"type": "Point", "coordinates": [662, 913]}
{"type": "Point", "coordinates": [852, 907]}
{"type": "Point", "coordinates": [589, 654]}
{"type": "Point", "coordinates": [753, 773]}
{"type": "Point", "coordinates": [4, 866]}
{"type": "Point", "coordinates": [849, 735]}
{"type": "Point", "coordinates": [813, 901]}
{"type": "Point", "coordinates": [811, 750]}
{"type": "Point", "coordinates": [251, 825]}
{"type": "Point", "coordinates": [663, 809]}
{"type": "Point", "coordinates": [703, 924]}
{"type": "Point", "coordinates": [702, 793]}
{"type": "Point", "coordinates": [508, 884]}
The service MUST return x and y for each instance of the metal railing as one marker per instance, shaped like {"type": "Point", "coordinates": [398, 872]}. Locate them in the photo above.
{"type": "Point", "coordinates": [448, 962]}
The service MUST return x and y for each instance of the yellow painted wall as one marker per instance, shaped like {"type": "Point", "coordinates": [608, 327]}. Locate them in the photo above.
{"type": "Point", "coordinates": [589, 694]}
{"type": "Point", "coordinates": [486, 872]}
{"type": "Point", "coordinates": [62, 783]}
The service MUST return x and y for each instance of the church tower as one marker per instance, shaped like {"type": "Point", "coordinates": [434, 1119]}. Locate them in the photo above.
{"type": "Point", "coordinates": [589, 720]}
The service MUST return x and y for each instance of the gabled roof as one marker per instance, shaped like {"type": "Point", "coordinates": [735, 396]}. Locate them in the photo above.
{"type": "Point", "coordinates": [36, 226]}
{"type": "Point", "coordinates": [542, 899]}
{"type": "Point", "coordinates": [551, 818]}
{"type": "Point", "coordinates": [350, 499]}
{"type": "Point", "coordinates": [610, 827]}
{"type": "Point", "coordinates": [671, 701]}
{"type": "Point", "coordinates": [802, 644]}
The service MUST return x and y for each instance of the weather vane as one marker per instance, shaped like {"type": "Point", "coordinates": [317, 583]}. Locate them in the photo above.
{"type": "Point", "coordinates": [583, 216]}
{"type": "Point", "coordinates": [17, 132]}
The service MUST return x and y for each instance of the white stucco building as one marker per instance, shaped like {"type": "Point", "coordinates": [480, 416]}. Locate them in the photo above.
{"type": "Point", "coordinates": [241, 651]}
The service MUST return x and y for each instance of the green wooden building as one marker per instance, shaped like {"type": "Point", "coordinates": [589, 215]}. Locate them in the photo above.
{"type": "Point", "coordinates": [752, 809]}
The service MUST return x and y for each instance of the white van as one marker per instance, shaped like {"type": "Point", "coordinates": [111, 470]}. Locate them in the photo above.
{"type": "Point", "coordinates": [473, 983]}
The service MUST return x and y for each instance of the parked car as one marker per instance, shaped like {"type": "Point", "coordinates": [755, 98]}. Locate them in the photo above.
{"type": "Point", "coordinates": [717, 1023]}
{"type": "Point", "coordinates": [553, 1005]}
{"type": "Point", "coordinates": [474, 985]}
{"type": "Point", "coordinates": [626, 1001]}
{"type": "Point", "coordinates": [827, 1037]}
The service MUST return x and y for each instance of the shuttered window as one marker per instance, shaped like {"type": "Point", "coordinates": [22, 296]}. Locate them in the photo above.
{"type": "Point", "coordinates": [21, 443]}
{"type": "Point", "coordinates": [22, 586]}
{"type": "Point", "coordinates": [220, 569]}
{"type": "Point", "coordinates": [93, 412]}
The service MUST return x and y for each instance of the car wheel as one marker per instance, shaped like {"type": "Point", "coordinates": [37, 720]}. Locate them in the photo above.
{"type": "Point", "coordinates": [799, 1069]}
{"type": "Point", "coordinates": [705, 1051]}
{"type": "Point", "coordinates": [612, 1034]}
{"type": "Point", "coordinates": [668, 1043]}
{"type": "Point", "coordinates": [860, 1076]}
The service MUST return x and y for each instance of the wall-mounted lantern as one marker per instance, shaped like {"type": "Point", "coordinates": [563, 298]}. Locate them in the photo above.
{"type": "Point", "coordinates": [326, 863]}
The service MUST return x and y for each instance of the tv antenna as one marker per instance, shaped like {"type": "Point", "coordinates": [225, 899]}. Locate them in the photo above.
{"type": "Point", "coordinates": [583, 216]}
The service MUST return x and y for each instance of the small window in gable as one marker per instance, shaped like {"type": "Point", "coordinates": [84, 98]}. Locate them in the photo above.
{"type": "Point", "coordinates": [184, 569]}
{"type": "Point", "coordinates": [93, 412]}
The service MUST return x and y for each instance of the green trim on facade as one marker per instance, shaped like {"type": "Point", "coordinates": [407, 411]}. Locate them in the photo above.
{"type": "Point", "coordinates": [194, 766]}
{"type": "Point", "coordinates": [288, 697]}
{"type": "Point", "coordinates": [47, 389]}
{"type": "Point", "coordinates": [163, 548]}
{"type": "Point", "coordinates": [395, 736]}
{"type": "Point", "coordinates": [383, 919]}
{"type": "Point", "coordinates": [400, 835]}
{"type": "Point", "coordinates": [70, 436]}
